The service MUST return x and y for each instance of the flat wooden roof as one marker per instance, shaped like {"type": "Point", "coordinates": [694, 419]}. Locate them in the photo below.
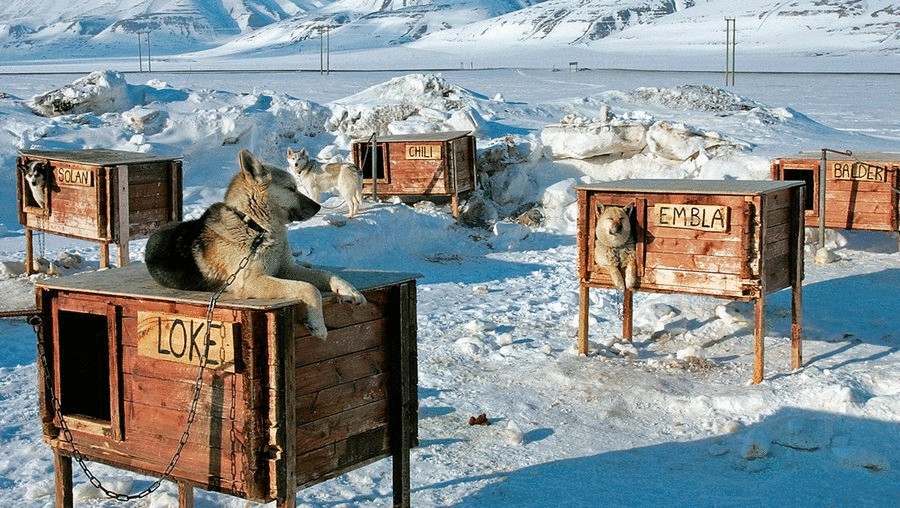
{"type": "Point", "coordinates": [855, 156]}
{"type": "Point", "coordinates": [134, 281]}
{"type": "Point", "coordinates": [97, 156]}
{"type": "Point", "coordinates": [721, 187]}
{"type": "Point", "coordinates": [428, 136]}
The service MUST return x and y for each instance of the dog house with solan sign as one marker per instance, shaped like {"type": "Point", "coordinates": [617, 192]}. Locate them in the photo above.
{"type": "Point", "coordinates": [277, 409]}
{"type": "Point", "coordinates": [739, 240]}
{"type": "Point", "coordinates": [100, 195]}
{"type": "Point", "coordinates": [438, 164]}
{"type": "Point", "coordinates": [860, 189]}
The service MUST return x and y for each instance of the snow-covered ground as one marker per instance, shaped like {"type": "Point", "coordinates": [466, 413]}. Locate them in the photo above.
{"type": "Point", "coordinates": [671, 420]}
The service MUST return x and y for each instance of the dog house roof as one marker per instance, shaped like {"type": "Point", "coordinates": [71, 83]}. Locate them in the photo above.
{"type": "Point", "coordinates": [720, 187]}
{"type": "Point", "coordinates": [428, 136]}
{"type": "Point", "coordinates": [97, 156]}
{"type": "Point", "coordinates": [133, 280]}
{"type": "Point", "coordinates": [855, 156]}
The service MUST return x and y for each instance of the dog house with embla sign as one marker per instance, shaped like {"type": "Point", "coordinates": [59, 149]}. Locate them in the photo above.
{"type": "Point", "coordinates": [439, 164]}
{"type": "Point", "coordinates": [100, 195]}
{"type": "Point", "coordinates": [862, 190]}
{"type": "Point", "coordinates": [277, 409]}
{"type": "Point", "coordinates": [739, 240]}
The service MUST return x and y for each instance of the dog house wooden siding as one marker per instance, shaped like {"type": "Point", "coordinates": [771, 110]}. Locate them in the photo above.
{"type": "Point", "coordinates": [278, 410]}
{"type": "Point", "coordinates": [434, 164]}
{"type": "Point", "coordinates": [860, 190]}
{"type": "Point", "coordinates": [753, 249]}
{"type": "Point", "coordinates": [106, 196]}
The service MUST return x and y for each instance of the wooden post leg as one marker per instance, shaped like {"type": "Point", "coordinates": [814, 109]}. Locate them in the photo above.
{"type": "Point", "coordinates": [759, 335]}
{"type": "Point", "coordinates": [584, 305]}
{"type": "Point", "coordinates": [627, 314]}
{"type": "Point", "coordinates": [185, 495]}
{"type": "Point", "coordinates": [796, 326]}
{"type": "Point", "coordinates": [104, 255]}
{"type": "Point", "coordinates": [407, 396]}
{"type": "Point", "coordinates": [124, 257]}
{"type": "Point", "coordinates": [62, 466]}
{"type": "Point", "coordinates": [29, 251]}
{"type": "Point", "coordinates": [454, 205]}
{"type": "Point", "coordinates": [289, 501]}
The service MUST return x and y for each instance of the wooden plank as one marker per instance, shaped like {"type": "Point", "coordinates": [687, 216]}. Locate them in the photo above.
{"type": "Point", "coordinates": [695, 262]}
{"type": "Point", "coordinates": [336, 458]}
{"type": "Point", "coordinates": [317, 376]}
{"type": "Point", "coordinates": [337, 399]}
{"type": "Point", "coordinates": [855, 194]}
{"type": "Point", "coordinates": [340, 342]}
{"type": "Point", "coordinates": [178, 394]}
{"type": "Point", "coordinates": [210, 429]}
{"type": "Point", "coordinates": [696, 245]}
{"type": "Point", "coordinates": [206, 466]}
{"type": "Point", "coordinates": [693, 282]}
{"type": "Point", "coordinates": [341, 426]}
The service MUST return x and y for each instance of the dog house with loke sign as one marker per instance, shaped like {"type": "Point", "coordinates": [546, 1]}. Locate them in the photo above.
{"type": "Point", "coordinates": [271, 410]}
{"type": "Point", "coordinates": [739, 240]}
{"type": "Point", "coordinates": [438, 164]}
{"type": "Point", "coordinates": [99, 195]}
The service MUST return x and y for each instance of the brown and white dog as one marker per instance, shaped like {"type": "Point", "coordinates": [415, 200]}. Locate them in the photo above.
{"type": "Point", "coordinates": [614, 244]}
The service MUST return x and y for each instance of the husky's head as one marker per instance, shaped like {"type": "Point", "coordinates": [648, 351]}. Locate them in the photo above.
{"type": "Point", "coordinates": [614, 224]}
{"type": "Point", "coordinates": [297, 161]}
{"type": "Point", "coordinates": [36, 174]}
{"type": "Point", "coordinates": [267, 193]}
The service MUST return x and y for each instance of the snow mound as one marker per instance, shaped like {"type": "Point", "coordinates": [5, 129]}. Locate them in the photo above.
{"type": "Point", "coordinates": [99, 92]}
{"type": "Point", "coordinates": [414, 103]}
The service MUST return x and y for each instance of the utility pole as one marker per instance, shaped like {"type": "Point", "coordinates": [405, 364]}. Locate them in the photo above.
{"type": "Point", "coordinates": [324, 49]}
{"type": "Point", "coordinates": [730, 42]}
{"type": "Point", "coordinates": [140, 54]}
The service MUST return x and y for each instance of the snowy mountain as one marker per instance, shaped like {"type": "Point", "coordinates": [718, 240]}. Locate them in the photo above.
{"type": "Point", "coordinates": [108, 28]}
{"type": "Point", "coordinates": [493, 33]}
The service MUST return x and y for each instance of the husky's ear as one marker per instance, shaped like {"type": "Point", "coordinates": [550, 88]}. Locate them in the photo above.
{"type": "Point", "coordinates": [302, 151]}
{"type": "Point", "coordinates": [599, 208]}
{"type": "Point", "coordinates": [290, 152]}
{"type": "Point", "coordinates": [252, 167]}
{"type": "Point", "coordinates": [629, 208]}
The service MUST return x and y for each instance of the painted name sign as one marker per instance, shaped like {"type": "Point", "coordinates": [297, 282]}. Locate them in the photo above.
{"type": "Point", "coordinates": [423, 152]}
{"type": "Point", "coordinates": [184, 339]}
{"type": "Point", "coordinates": [75, 176]}
{"type": "Point", "coordinates": [702, 217]}
{"type": "Point", "coordinates": [859, 171]}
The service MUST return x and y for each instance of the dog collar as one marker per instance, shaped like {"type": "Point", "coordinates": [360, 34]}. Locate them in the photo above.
{"type": "Point", "coordinates": [252, 224]}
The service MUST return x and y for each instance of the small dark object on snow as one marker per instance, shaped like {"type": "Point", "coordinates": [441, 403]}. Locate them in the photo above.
{"type": "Point", "coordinates": [480, 420]}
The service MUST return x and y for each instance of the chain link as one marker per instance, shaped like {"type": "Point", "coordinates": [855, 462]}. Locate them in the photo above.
{"type": "Point", "coordinates": [36, 322]}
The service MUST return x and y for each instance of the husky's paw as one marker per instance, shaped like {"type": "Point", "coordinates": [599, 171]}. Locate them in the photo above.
{"type": "Point", "coordinates": [348, 294]}
{"type": "Point", "coordinates": [317, 328]}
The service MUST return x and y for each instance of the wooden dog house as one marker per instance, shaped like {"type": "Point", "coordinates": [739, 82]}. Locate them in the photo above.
{"type": "Point", "coordinates": [277, 410]}
{"type": "Point", "coordinates": [106, 196]}
{"type": "Point", "coordinates": [438, 164]}
{"type": "Point", "coordinates": [739, 240]}
{"type": "Point", "coordinates": [860, 189]}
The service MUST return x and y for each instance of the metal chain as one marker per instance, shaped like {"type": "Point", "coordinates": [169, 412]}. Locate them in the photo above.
{"type": "Point", "coordinates": [36, 323]}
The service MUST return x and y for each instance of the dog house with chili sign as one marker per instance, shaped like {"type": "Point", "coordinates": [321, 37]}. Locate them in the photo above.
{"type": "Point", "coordinates": [100, 195]}
{"type": "Point", "coordinates": [438, 164]}
{"type": "Point", "coordinates": [861, 189]}
{"type": "Point", "coordinates": [276, 410]}
{"type": "Point", "coordinates": [739, 240]}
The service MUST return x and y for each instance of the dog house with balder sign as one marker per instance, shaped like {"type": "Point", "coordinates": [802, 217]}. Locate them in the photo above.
{"type": "Point", "coordinates": [438, 164]}
{"type": "Point", "coordinates": [99, 195]}
{"type": "Point", "coordinates": [278, 409]}
{"type": "Point", "coordinates": [739, 240]}
{"type": "Point", "coordinates": [862, 190]}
